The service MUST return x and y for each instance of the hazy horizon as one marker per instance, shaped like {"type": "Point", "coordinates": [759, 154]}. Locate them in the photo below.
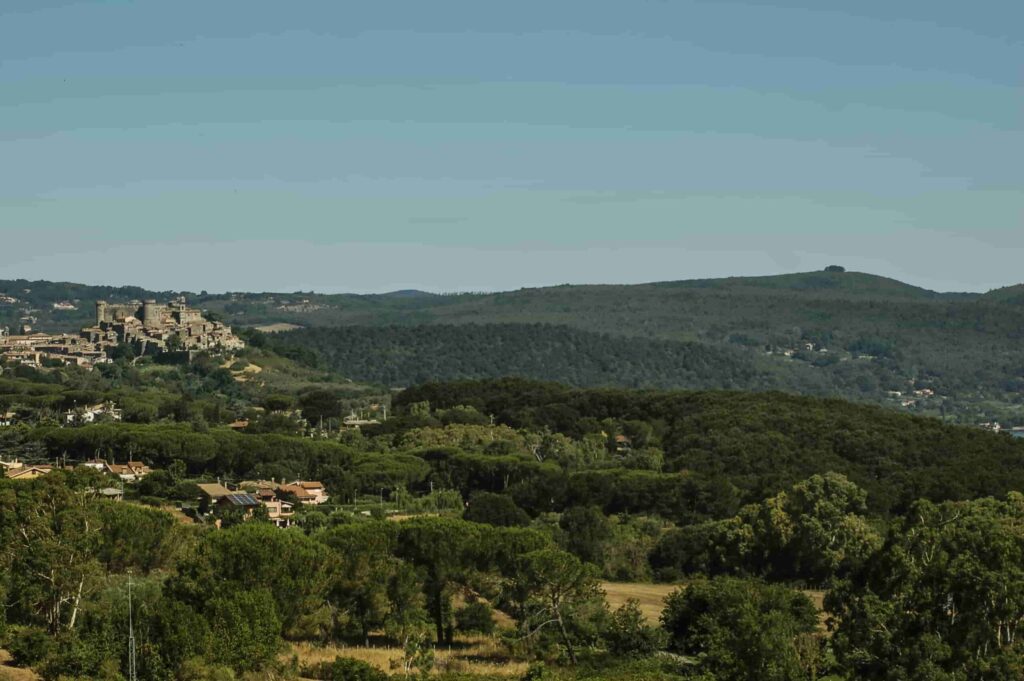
{"type": "Point", "coordinates": [464, 146]}
{"type": "Point", "coordinates": [285, 291]}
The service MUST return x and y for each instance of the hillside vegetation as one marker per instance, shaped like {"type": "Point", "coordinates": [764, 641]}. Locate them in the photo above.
{"type": "Point", "coordinates": [847, 334]}
{"type": "Point", "coordinates": [459, 531]}
{"type": "Point", "coordinates": [757, 443]}
{"type": "Point", "coordinates": [406, 355]}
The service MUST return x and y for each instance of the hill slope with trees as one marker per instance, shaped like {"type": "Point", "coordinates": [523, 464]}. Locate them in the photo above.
{"type": "Point", "coordinates": [833, 332]}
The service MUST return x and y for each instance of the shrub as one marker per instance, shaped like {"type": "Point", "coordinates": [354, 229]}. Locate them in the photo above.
{"type": "Point", "coordinates": [629, 635]}
{"type": "Point", "coordinates": [743, 628]}
{"type": "Point", "coordinates": [475, 617]}
{"type": "Point", "coordinates": [344, 669]}
{"type": "Point", "coordinates": [29, 645]}
{"type": "Point", "coordinates": [495, 509]}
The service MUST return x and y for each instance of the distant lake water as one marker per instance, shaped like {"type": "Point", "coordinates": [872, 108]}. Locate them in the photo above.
{"type": "Point", "coordinates": [1019, 433]}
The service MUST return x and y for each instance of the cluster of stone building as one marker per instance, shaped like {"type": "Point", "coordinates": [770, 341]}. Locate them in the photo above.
{"type": "Point", "coordinates": [148, 327]}
{"type": "Point", "coordinates": [34, 349]}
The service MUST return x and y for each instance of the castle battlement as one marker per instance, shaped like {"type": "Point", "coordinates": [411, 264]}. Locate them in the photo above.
{"type": "Point", "coordinates": [147, 326]}
{"type": "Point", "coordinates": [152, 327]}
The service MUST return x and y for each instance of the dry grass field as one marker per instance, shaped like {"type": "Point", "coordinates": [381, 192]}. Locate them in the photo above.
{"type": "Point", "coordinates": [13, 673]}
{"type": "Point", "coordinates": [478, 655]}
{"type": "Point", "coordinates": [277, 328]}
{"type": "Point", "coordinates": [652, 597]}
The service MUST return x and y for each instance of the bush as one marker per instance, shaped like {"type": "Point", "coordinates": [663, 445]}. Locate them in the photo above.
{"type": "Point", "coordinates": [29, 645]}
{"type": "Point", "coordinates": [537, 672]}
{"type": "Point", "coordinates": [743, 628]}
{"type": "Point", "coordinates": [629, 635]}
{"type": "Point", "coordinates": [475, 617]}
{"type": "Point", "coordinates": [495, 509]}
{"type": "Point", "coordinates": [344, 669]}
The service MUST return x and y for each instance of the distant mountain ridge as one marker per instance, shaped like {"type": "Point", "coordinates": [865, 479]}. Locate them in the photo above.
{"type": "Point", "coordinates": [849, 334]}
{"type": "Point", "coordinates": [1013, 295]}
{"type": "Point", "coordinates": [843, 283]}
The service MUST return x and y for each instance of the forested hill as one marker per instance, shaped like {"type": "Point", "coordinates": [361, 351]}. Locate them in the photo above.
{"type": "Point", "coordinates": [407, 355]}
{"type": "Point", "coordinates": [1012, 295]}
{"type": "Point", "coordinates": [759, 442]}
{"type": "Point", "coordinates": [856, 335]}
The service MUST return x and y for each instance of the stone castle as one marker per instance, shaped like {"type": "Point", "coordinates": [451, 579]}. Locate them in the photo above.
{"type": "Point", "coordinates": [152, 328]}
{"type": "Point", "coordinates": [148, 327]}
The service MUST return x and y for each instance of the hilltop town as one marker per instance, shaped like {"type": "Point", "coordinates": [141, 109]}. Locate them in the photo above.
{"type": "Point", "coordinates": [148, 328]}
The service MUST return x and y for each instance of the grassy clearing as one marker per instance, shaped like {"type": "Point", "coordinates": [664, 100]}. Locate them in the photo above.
{"type": "Point", "coordinates": [278, 327]}
{"type": "Point", "coordinates": [483, 656]}
{"type": "Point", "coordinates": [652, 597]}
{"type": "Point", "coordinates": [279, 374]}
{"type": "Point", "coordinates": [14, 673]}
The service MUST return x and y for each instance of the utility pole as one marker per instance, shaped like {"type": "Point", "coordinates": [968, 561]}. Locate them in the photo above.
{"type": "Point", "coordinates": [132, 676]}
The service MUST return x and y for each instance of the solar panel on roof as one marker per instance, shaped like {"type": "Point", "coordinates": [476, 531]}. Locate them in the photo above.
{"type": "Point", "coordinates": [239, 499]}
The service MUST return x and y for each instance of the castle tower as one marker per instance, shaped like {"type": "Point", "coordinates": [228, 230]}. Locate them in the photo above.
{"type": "Point", "coordinates": [151, 314]}
{"type": "Point", "coordinates": [101, 312]}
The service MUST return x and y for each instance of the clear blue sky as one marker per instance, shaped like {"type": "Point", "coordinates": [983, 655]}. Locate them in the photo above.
{"type": "Point", "coordinates": [478, 144]}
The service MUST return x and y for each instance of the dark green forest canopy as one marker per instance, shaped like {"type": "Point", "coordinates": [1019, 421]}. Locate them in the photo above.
{"type": "Point", "coordinates": [225, 453]}
{"type": "Point", "coordinates": [763, 442]}
{"type": "Point", "coordinates": [407, 355]}
{"type": "Point", "coordinates": [880, 335]}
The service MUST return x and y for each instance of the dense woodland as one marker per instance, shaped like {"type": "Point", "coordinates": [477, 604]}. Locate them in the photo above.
{"type": "Point", "coordinates": [408, 355]}
{"type": "Point", "coordinates": [489, 517]}
{"type": "Point", "coordinates": [878, 335]}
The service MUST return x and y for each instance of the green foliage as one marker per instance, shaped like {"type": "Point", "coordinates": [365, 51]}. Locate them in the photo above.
{"type": "Point", "coordinates": [743, 629]}
{"type": "Point", "coordinates": [136, 538]}
{"type": "Point", "coordinates": [813, 532]}
{"type": "Point", "coordinates": [183, 631]}
{"type": "Point", "coordinates": [344, 669]}
{"type": "Point", "coordinates": [945, 596]}
{"type": "Point", "coordinates": [684, 335]}
{"type": "Point", "coordinates": [702, 484]}
{"type": "Point", "coordinates": [627, 553]}
{"type": "Point", "coordinates": [585, 532]}
{"type": "Point", "coordinates": [417, 657]}
{"type": "Point", "coordinates": [246, 628]}
{"type": "Point", "coordinates": [628, 634]}
{"type": "Point", "coordinates": [51, 535]}
{"type": "Point", "coordinates": [319, 404]}
{"type": "Point", "coordinates": [258, 557]}
{"type": "Point", "coordinates": [555, 592]}
{"type": "Point", "coordinates": [360, 584]}
{"type": "Point", "coordinates": [758, 443]}
{"type": "Point", "coordinates": [29, 645]}
{"type": "Point", "coordinates": [401, 356]}
{"type": "Point", "coordinates": [495, 509]}
{"type": "Point", "coordinates": [223, 452]}
{"type": "Point", "coordinates": [476, 617]}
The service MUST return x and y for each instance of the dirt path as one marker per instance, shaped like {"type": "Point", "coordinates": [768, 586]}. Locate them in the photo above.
{"type": "Point", "coordinates": [14, 673]}
{"type": "Point", "coordinates": [277, 328]}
